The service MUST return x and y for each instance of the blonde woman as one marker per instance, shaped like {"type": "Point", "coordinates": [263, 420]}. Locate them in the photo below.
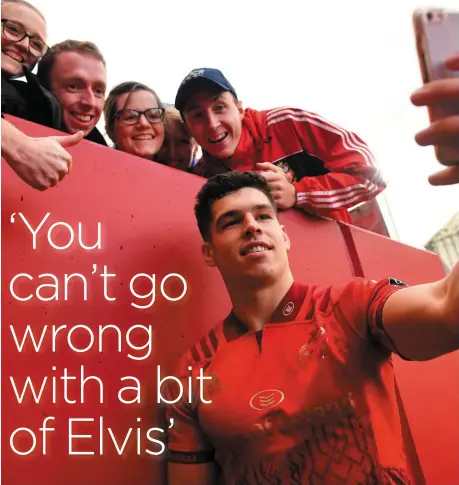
{"type": "Point", "coordinates": [179, 149]}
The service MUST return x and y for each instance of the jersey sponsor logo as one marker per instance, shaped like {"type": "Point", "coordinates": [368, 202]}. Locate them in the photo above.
{"type": "Point", "coordinates": [288, 309]}
{"type": "Point", "coordinates": [266, 399]}
{"type": "Point", "coordinates": [277, 421]}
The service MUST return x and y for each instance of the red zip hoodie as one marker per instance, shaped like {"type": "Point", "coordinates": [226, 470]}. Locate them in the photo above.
{"type": "Point", "coordinates": [331, 168]}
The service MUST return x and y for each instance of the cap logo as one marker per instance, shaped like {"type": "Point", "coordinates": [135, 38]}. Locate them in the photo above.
{"type": "Point", "coordinates": [193, 75]}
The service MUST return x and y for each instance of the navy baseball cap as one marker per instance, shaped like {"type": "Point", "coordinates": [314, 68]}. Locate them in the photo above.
{"type": "Point", "coordinates": [196, 80]}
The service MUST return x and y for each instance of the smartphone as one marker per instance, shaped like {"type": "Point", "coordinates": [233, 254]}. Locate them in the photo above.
{"type": "Point", "coordinates": [437, 38]}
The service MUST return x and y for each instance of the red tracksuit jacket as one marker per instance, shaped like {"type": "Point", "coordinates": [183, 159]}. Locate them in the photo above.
{"type": "Point", "coordinates": [331, 168]}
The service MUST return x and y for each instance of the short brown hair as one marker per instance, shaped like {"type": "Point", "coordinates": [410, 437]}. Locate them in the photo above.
{"type": "Point", "coordinates": [221, 185]}
{"type": "Point", "coordinates": [46, 64]}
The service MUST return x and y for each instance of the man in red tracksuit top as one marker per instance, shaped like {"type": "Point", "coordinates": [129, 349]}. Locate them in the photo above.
{"type": "Point", "coordinates": [308, 161]}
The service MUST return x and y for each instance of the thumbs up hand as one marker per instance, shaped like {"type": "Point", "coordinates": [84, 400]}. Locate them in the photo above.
{"type": "Point", "coordinates": [40, 162]}
{"type": "Point", "coordinates": [68, 140]}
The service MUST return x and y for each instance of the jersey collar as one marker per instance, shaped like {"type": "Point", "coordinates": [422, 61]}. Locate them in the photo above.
{"type": "Point", "coordinates": [286, 311]}
{"type": "Point", "coordinates": [245, 156]}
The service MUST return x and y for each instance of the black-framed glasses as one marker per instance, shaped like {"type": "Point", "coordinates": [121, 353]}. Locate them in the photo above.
{"type": "Point", "coordinates": [132, 116]}
{"type": "Point", "coordinates": [16, 32]}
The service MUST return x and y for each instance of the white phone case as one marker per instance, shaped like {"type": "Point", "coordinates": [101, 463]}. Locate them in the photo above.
{"type": "Point", "coordinates": [437, 38]}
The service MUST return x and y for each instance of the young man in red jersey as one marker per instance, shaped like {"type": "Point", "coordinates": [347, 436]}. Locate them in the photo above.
{"type": "Point", "coordinates": [308, 161]}
{"type": "Point", "coordinates": [302, 388]}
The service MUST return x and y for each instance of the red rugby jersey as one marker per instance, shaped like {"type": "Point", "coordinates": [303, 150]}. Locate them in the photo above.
{"type": "Point", "coordinates": [308, 400]}
{"type": "Point", "coordinates": [331, 168]}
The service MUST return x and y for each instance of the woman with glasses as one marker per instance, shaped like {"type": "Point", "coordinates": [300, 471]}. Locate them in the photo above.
{"type": "Point", "coordinates": [40, 162]}
{"type": "Point", "coordinates": [23, 45]}
{"type": "Point", "coordinates": [23, 36]}
{"type": "Point", "coordinates": [134, 119]}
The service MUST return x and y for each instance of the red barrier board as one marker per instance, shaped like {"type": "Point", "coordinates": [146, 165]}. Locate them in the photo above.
{"type": "Point", "coordinates": [429, 390]}
{"type": "Point", "coordinates": [137, 216]}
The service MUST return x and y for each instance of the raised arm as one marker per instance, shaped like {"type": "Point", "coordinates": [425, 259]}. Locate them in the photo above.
{"type": "Point", "coordinates": [423, 321]}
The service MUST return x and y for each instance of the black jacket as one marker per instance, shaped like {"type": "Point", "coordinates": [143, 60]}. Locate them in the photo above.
{"type": "Point", "coordinates": [31, 101]}
{"type": "Point", "coordinates": [96, 136]}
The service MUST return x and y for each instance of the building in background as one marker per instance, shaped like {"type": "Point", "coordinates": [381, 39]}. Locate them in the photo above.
{"type": "Point", "coordinates": [445, 243]}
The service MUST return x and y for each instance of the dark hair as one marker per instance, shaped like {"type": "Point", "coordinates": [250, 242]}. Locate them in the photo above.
{"type": "Point", "coordinates": [115, 93]}
{"type": "Point", "coordinates": [218, 187]}
{"type": "Point", "coordinates": [46, 63]}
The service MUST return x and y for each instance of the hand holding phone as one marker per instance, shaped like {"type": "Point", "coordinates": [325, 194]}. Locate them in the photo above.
{"type": "Point", "coordinates": [437, 41]}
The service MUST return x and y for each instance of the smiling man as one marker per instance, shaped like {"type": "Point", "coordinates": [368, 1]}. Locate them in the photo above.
{"type": "Point", "coordinates": [75, 72]}
{"type": "Point", "coordinates": [308, 161]}
{"type": "Point", "coordinates": [302, 388]}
